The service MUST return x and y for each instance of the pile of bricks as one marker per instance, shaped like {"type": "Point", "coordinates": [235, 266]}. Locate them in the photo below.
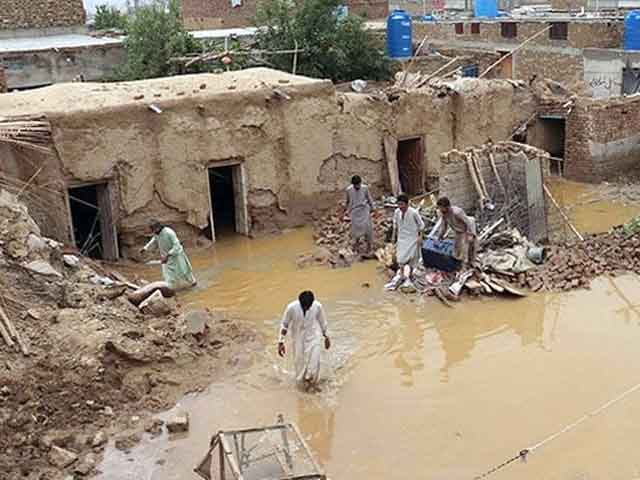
{"type": "Point", "coordinates": [16, 14]}
{"type": "Point", "coordinates": [333, 233]}
{"type": "Point", "coordinates": [571, 266]}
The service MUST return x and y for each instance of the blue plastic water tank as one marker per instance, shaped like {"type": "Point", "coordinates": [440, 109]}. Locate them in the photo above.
{"type": "Point", "coordinates": [399, 39]}
{"type": "Point", "coordinates": [485, 8]}
{"type": "Point", "coordinates": [632, 30]}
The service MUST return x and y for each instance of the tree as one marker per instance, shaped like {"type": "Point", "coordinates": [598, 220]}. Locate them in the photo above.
{"type": "Point", "coordinates": [155, 35]}
{"type": "Point", "coordinates": [337, 48]}
{"type": "Point", "coordinates": [108, 18]}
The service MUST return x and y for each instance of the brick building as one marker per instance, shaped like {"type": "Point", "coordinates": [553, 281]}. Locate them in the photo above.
{"type": "Point", "coordinates": [209, 14]}
{"type": "Point", "coordinates": [40, 14]}
{"type": "Point", "coordinates": [556, 53]}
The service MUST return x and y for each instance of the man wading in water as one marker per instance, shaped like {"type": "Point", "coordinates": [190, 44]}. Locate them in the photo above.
{"type": "Point", "coordinates": [308, 323]}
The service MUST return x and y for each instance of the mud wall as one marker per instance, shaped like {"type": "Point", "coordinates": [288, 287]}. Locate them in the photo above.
{"type": "Point", "coordinates": [510, 160]}
{"type": "Point", "coordinates": [602, 138]}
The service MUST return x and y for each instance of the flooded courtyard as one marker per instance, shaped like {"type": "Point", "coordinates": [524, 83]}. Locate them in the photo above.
{"type": "Point", "coordinates": [414, 389]}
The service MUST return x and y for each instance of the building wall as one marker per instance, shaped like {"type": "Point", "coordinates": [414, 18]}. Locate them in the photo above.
{"type": "Point", "coordinates": [298, 153]}
{"type": "Point", "coordinates": [603, 138]}
{"type": "Point", "coordinates": [207, 14]}
{"type": "Point", "coordinates": [603, 70]}
{"type": "Point", "coordinates": [580, 34]}
{"type": "Point", "coordinates": [46, 67]}
{"type": "Point", "coordinates": [510, 161]}
{"type": "Point", "coordinates": [17, 14]}
{"type": "Point", "coordinates": [559, 60]}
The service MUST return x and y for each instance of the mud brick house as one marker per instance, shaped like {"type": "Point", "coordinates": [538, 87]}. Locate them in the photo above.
{"type": "Point", "coordinates": [244, 151]}
{"type": "Point", "coordinates": [209, 14]}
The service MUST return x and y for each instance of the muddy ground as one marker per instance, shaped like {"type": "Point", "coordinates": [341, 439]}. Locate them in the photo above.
{"type": "Point", "coordinates": [98, 367]}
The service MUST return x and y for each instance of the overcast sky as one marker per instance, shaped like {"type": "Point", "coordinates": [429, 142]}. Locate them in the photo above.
{"type": "Point", "coordinates": [90, 5]}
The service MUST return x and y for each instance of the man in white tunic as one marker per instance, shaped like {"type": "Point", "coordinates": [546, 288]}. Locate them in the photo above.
{"type": "Point", "coordinates": [176, 268]}
{"type": "Point", "coordinates": [307, 321]}
{"type": "Point", "coordinates": [407, 230]}
{"type": "Point", "coordinates": [465, 243]}
{"type": "Point", "coordinates": [359, 207]}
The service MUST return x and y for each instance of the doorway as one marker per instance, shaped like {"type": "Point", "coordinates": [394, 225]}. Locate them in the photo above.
{"type": "Point", "coordinates": [92, 227]}
{"type": "Point", "coordinates": [227, 196]}
{"type": "Point", "coordinates": [506, 66]}
{"type": "Point", "coordinates": [550, 136]}
{"type": "Point", "coordinates": [410, 165]}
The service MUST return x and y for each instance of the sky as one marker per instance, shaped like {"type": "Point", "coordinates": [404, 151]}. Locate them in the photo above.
{"type": "Point", "coordinates": [90, 5]}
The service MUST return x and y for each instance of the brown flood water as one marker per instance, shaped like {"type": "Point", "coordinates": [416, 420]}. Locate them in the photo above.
{"type": "Point", "coordinates": [416, 390]}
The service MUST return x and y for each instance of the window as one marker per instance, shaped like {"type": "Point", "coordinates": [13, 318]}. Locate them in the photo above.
{"type": "Point", "coordinates": [558, 31]}
{"type": "Point", "coordinates": [459, 28]}
{"type": "Point", "coordinates": [509, 30]}
{"type": "Point", "coordinates": [470, 71]}
{"type": "Point", "coordinates": [475, 28]}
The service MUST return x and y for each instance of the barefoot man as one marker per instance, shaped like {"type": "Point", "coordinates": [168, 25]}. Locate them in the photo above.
{"type": "Point", "coordinates": [176, 268]}
{"type": "Point", "coordinates": [308, 323]}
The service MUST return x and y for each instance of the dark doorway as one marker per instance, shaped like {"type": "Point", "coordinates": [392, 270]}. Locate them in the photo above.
{"type": "Point", "coordinates": [223, 205]}
{"type": "Point", "coordinates": [94, 231]}
{"type": "Point", "coordinates": [551, 138]}
{"type": "Point", "coordinates": [410, 166]}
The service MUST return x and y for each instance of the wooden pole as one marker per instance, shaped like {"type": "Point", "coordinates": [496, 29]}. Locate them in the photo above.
{"type": "Point", "coordinates": [295, 57]}
{"type": "Point", "coordinates": [495, 64]}
{"type": "Point", "coordinates": [13, 332]}
{"type": "Point", "coordinates": [564, 215]}
{"type": "Point", "coordinates": [413, 58]}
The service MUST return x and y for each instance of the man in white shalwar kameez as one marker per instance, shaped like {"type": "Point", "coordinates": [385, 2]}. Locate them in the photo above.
{"type": "Point", "coordinates": [407, 230]}
{"type": "Point", "coordinates": [306, 319]}
{"type": "Point", "coordinates": [359, 206]}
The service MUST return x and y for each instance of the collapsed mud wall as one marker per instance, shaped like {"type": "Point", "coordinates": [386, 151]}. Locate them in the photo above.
{"type": "Point", "coordinates": [500, 171]}
{"type": "Point", "coordinates": [298, 141]}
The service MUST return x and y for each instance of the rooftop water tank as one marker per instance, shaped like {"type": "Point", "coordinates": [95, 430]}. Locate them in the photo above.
{"type": "Point", "coordinates": [485, 8]}
{"type": "Point", "coordinates": [632, 30]}
{"type": "Point", "coordinates": [399, 40]}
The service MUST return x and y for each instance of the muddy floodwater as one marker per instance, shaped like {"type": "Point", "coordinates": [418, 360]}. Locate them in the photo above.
{"type": "Point", "coordinates": [414, 389]}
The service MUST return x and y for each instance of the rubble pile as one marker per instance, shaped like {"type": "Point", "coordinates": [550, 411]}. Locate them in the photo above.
{"type": "Point", "coordinates": [574, 265]}
{"type": "Point", "coordinates": [78, 357]}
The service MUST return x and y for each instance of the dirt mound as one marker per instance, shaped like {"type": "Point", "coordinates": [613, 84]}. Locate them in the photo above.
{"type": "Point", "coordinates": [94, 360]}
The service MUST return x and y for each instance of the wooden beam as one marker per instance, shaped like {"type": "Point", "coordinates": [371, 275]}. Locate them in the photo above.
{"type": "Point", "coordinates": [499, 61]}
{"type": "Point", "coordinates": [564, 215]}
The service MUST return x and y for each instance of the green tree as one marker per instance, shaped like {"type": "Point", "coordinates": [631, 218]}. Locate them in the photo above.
{"type": "Point", "coordinates": [108, 18]}
{"type": "Point", "coordinates": [337, 48]}
{"type": "Point", "coordinates": [155, 35]}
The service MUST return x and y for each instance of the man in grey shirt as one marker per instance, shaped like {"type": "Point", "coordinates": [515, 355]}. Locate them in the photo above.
{"type": "Point", "coordinates": [359, 207]}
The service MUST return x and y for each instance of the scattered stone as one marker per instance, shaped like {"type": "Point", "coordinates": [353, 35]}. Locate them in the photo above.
{"type": "Point", "coordinates": [127, 442]}
{"type": "Point", "coordinates": [108, 411]}
{"type": "Point", "coordinates": [71, 261]}
{"type": "Point", "coordinates": [156, 305]}
{"type": "Point", "coordinates": [138, 97]}
{"type": "Point", "coordinates": [196, 322]}
{"type": "Point", "coordinates": [86, 466]}
{"type": "Point", "coordinates": [154, 426]}
{"type": "Point", "coordinates": [179, 423]}
{"type": "Point", "coordinates": [43, 268]}
{"type": "Point", "coordinates": [61, 458]}
{"type": "Point", "coordinates": [99, 439]}
{"type": "Point", "coordinates": [36, 243]}
{"type": "Point", "coordinates": [203, 86]}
